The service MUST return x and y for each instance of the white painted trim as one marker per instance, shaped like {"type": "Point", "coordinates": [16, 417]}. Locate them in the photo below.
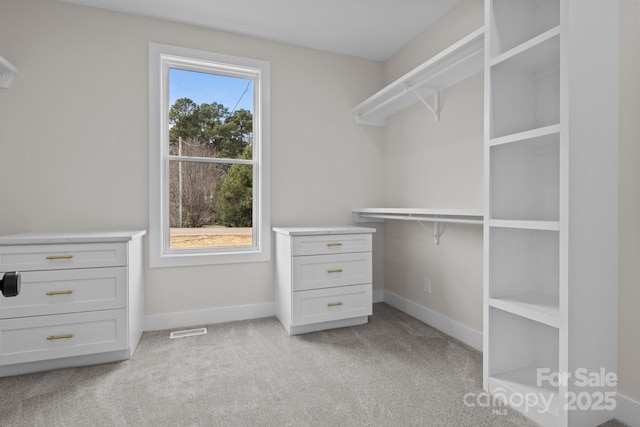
{"type": "Point", "coordinates": [157, 322]}
{"type": "Point", "coordinates": [627, 410]}
{"type": "Point", "coordinates": [161, 58]}
{"type": "Point", "coordinates": [450, 327]}
{"type": "Point", "coordinates": [378, 295]}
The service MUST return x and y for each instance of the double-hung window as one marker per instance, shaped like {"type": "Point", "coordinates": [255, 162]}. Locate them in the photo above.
{"type": "Point", "coordinates": [208, 158]}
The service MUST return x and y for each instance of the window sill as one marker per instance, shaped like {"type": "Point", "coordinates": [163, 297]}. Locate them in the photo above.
{"type": "Point", "coordinates": [157, 260]}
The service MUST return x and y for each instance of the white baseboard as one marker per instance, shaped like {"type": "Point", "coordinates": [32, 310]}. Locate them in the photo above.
{"type": "Point", "coordinates": [378, 295]}
{"type": "Point", "coordinates": [157, 322]}
{"type": "Point", "coordinates": [627, 410]}
{"type": "Point", "coordinates": [457, 330]}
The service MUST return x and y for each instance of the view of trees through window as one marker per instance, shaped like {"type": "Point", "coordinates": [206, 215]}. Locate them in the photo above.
{"type": "Point", "coordinates": [210, 161]}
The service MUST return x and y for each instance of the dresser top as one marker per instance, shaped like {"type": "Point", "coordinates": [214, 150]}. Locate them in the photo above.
{"type": "Point", "coordinates": [71, 237]}
{"type": "Point", "coordinates": [316, 231]}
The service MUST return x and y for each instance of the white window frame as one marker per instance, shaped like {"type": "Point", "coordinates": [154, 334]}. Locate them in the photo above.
{"type": "Point", "coordinates": [161, 58]}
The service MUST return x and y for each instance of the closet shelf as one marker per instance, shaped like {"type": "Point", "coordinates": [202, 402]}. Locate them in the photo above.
{"type": "Point", "coordinates": [524, 382]}
{"type": "Point", "coordinates": [458, 62]}
{"type": "Point", "coordinates": [539, 55]}
{"type": "Point", "coordinates": [542, 308]}
{"type": "Point", "coordinates": [436, 216]}
{"type": "Point", "coordinates": [522, 136]}
{"type": "Point", "coordinates": [527, 225]}
{"type": "Point", "coordinates": [7, 72]}
{"type": "Point", "coordinates": [531, 44]}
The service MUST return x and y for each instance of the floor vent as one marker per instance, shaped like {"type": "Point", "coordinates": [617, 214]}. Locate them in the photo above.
{"type": "Point", "coordinates": [188, 333]}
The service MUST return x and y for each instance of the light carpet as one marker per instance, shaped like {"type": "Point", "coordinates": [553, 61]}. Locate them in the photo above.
{"type": "Point", "coordinates": [393, 371]}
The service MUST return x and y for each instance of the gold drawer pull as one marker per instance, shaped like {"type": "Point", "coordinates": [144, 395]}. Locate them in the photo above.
{"type": "Point", "coordinates": [334, 244]}
{"type": "Point", "coordinates": [60, 257]}
{"type": "Point", "coordinates": [68, 292]}
{"type": "Point", "coordinates": [335, 304]}
{"type": "Point", "coordinates": [59, 337]}
{"type": "Point", "coordinates": [336, 270]}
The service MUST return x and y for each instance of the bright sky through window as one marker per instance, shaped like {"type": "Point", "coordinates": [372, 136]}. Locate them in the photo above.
{"type": "Point", "coordinates": [206, 88]}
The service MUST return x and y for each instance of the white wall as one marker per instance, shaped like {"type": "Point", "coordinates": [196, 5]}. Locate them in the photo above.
{"type": "Point", "coordinates": [629, 200]}
{"type": "Point", "coordinates": [74, 137]}
{"type": "Point", "coordinates": [73, 154]}
{"type": "Point", "coordinates": [432, 164]}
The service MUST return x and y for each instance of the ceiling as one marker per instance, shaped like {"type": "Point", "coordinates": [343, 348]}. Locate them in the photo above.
{"type": "Point", "coordinates": [372, 29]}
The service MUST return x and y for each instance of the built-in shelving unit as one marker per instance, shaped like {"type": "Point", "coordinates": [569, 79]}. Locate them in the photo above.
{"type": "Point", "coordinates": [7, 72]}
{"type": "Point", "coordinates": [454, 64]}
{"type": "Point", "coordinates": [435, 216]}
{"type": "Point", "coordinates": [548, 269]}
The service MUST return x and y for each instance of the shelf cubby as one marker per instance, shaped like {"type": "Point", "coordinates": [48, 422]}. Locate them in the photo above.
{"type": "Point", "coordinates": [540, 307]}
{"type": "Point", "coordinates": [516, 21]}
{"type": "Point", "coordinates": [525, 177]}
{"type": "Point", "coordinates": [524, 273]}
{"type": "Point", "coordinates": [526, 89]}
{"type": "Point", "coordinates": [520, 347]}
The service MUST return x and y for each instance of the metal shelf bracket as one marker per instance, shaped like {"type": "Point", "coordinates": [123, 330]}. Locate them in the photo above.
{"type": "Point", "coordinates": [436, 104]}
{"type": "Point", "coordinates": [437, 232]}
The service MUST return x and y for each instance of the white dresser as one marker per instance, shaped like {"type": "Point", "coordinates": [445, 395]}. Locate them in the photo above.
{"type": "Point", "coordinates": [323, 277]}
{"type": "Point", "coordinates": [80, 302]}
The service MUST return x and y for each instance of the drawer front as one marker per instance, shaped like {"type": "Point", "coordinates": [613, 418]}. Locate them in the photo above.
{"type": "Point", "coordinates": [30, 339]}
{"type": "Point", "coordinates": [324, 305]}
{"type": "Point", "coordinates": [324, 271]}
{"type": "Point", "coordinates": [67, 291]}
{"type": "Point", "coordinates": [55, 257]}
{"type": "Point", "coordinates": [331, 244]}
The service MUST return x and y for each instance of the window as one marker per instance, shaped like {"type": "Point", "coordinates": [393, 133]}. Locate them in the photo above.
{"type": "Point", "coordinates": [208, 158]}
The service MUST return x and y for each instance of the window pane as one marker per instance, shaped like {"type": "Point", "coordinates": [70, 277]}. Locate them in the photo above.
{"type": "Point", "coordinates": [210, 115]}
{"type": "Point", "coordinates": [211, 205]}
{"type": "Point", "coordinates": [208, 174]}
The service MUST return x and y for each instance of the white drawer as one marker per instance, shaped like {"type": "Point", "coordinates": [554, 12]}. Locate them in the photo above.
{"type": "Point", "coordinates": [324, 305]}
{"type": "Point", "coordinates": [67, 291]}
{"type": "Point", "coordinates": [48, 337]}
{"type": "Point", "coordinates": [331, 244]}
{"type": "Point", "coordinates": [322, 271]}
{"type": "Point", "coordinates": [54, 257]}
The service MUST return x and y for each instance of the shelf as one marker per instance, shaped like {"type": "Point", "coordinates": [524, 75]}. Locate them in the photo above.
{"type": "Point", "coordinates": [453, 65]}
{"type": "Point", "coordinates": [542, 308]}
{"type": "Point", "coordinates": [523, 382]}
{"type": "Point", "coordinates": [516, 21]}
{"type": "Point", "coordinates": [541, 47]}
{"type": "Point", "coordinates": [436, 216]}
{"type": "Point", "coordinates": [7, 72]}
{"type": "Point", "coordinates": [522, 136]}
{"type": "Point", "coordinates": [526, 225]}
{"type": "Point", "coordinates": [537, 55]}
{"type": "Point", "coordinates": [464, 216]}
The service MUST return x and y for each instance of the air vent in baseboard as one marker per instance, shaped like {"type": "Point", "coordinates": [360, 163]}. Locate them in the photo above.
{"type": "Point", "coordinates": [188, 333]}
